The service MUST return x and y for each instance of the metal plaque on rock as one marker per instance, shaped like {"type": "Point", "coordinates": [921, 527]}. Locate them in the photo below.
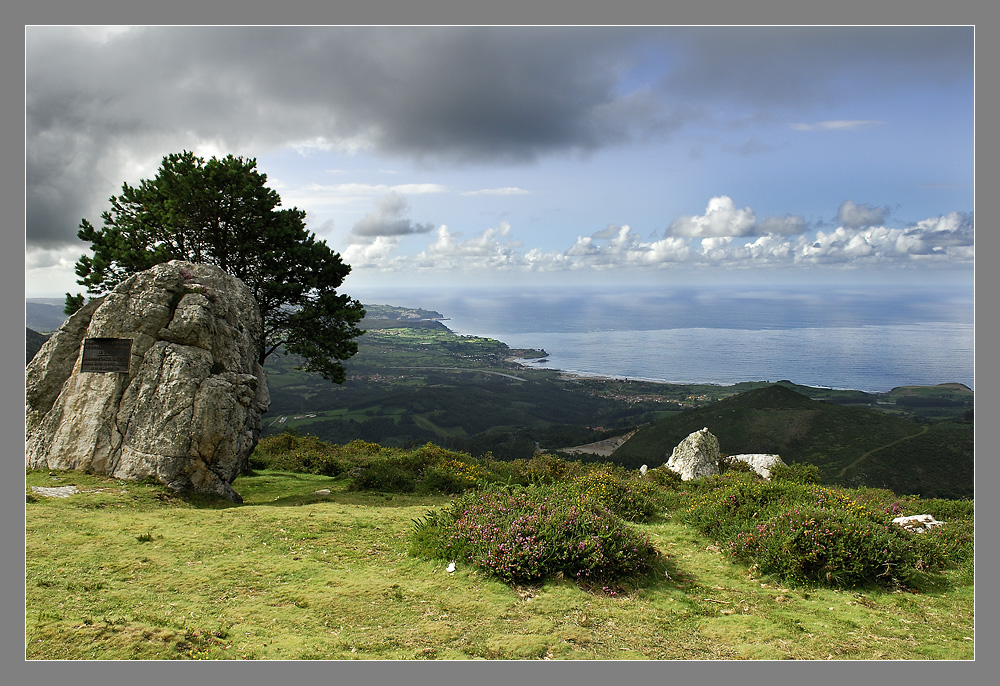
{"type": "Point", "coordinates": [106, 355]}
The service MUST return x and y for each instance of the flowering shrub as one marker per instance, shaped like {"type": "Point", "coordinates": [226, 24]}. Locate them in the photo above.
{"type": "Point", "coordinates": [832, 546]}
{"type": "Point", "coordinates": [833, 499]}
{"type": "Point", "coordinates": [945, 510]}
{"type": "Point", "coordinates": [359, 449]}
{"type": "Point", "coordinates": [798, 472]}
{"type": "Point", "coordinates": [529, 533]}
{"type": "Point", "coordinates": [664, 478]}
{"type": "Point", "coordinates": [949, 545]}
{"type": "Point", "coordinates": [529, 519]}
{"type": "Point", "coordinates": [738, 501]}
{"type": "Point", "coordinates": [452, 476]}
{"type": "Point", "coordinates": [629, 498]}
{"type": "Point", "coordinates": [545, 468]}
{"type": "Point", "coordinates": [810, 533]}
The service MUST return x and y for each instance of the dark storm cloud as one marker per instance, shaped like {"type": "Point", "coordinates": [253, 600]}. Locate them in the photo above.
{"type": "Point", "coordinates": [95, 108]}
{"type": "Point", "coordinates": [101, 107]}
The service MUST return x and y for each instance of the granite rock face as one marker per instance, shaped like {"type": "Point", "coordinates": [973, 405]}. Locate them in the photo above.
{"type": "Point", "coordinates": [696, 456]}
{"type": "Point", "coordinates": [187, 412]}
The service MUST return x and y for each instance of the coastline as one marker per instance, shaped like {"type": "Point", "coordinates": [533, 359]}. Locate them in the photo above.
{"type": "Point", "coordinates": [571, 375]}
{"type": "Point", "coordinates": [868, 359]}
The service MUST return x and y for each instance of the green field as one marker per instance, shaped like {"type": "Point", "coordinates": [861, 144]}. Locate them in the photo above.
{"type": "Point", "coordinates": [125, 570]}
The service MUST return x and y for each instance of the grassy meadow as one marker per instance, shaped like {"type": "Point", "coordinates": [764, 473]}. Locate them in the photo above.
{"type": "Point", "coordinates": [126, 570]}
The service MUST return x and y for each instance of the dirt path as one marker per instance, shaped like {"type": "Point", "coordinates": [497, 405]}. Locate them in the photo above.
{"type": "Point", "coordinates": [468, 369]}
{"type": "Point", "coordinates": [881, 447]}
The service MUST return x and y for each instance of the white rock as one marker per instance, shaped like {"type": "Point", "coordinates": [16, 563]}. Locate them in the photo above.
{"type": "Point", "coordinates": [55, 491]}
{"type": "Point", "coordinates": [917, 523]}
{"type": "Point", "coordinates": [696, 456]}
{"type": "Point", "coordinates": [761, 463]}
{"type": "Point", "coordinates": [451, 567]}
{"type": "Point", "coordinates": [643, 469]}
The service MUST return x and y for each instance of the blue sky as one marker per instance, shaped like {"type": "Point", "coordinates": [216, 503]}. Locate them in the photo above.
{"type": "Point", "coordinates": [533, 156]}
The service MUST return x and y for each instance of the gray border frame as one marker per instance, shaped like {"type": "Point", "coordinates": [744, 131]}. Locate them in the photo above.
{"type": "Point", "coordinates": [455, 12]}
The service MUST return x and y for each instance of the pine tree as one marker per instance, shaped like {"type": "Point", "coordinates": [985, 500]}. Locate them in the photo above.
{"type": "Point", "coordinates": [221, 212]}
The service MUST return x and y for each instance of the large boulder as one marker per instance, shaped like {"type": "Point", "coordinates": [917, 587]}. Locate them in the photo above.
{"type": "Point", "coordinates": [696, 456]}
{"type": "Point", "coordinates": [760, 462]}
{"type": "Point", "coordinates": [187, 411]}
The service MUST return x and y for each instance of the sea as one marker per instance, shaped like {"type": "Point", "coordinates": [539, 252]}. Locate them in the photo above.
{"type": "Point", "coordinates": [869, 339]}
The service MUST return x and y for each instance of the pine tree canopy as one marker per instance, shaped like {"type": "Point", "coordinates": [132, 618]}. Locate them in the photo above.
{"type": "Point", "coordinates": [220, 212]}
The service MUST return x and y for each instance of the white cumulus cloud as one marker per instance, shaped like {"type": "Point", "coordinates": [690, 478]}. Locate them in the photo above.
{"type": "Point", "coordinates": [387, 219]}
{"type": "Point", "coordinates": [375, 254]}
{"type": "Point", "coordinates": [491, 249]}
{"type": "Point", "coordinates": [784, 242]}
{"type": "Point", "coordinates": [854, 216]}
{"type": "Point", "coordinates": [721, 218]}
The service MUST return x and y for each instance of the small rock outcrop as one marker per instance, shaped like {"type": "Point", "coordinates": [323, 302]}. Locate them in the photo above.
{"type": "Point", "coordinates": [918, 524]}
{"type": "Point", "coordinates": [187, 411]}
{"type": "Point", "coordinates": [760, 462]}
{"type": "Point", "coordinates": [696, 456]}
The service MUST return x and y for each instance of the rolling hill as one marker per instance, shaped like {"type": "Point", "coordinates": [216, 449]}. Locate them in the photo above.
{"type": "Point", "coordinates": [850, 445]}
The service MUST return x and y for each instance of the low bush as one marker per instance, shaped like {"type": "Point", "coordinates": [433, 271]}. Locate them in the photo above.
{"type": "Point", "coordinates": [727, 464]}
{"type": "Point", "coordinates": [529, 519]}
{"type": "Point", "coordinates": [865, 505]}
{"type": "Point", "coordinates": [628, 497]}
{"type": "Point", "coordinates": [721, 506]}
{"type": "Point", "coordinates": [883, 500]}
{"type": "Point", "coordinates": [833, 547]}
{"type": "Point", "coordinates": [384, 476]}
{"type": "Point", "coordinates": [951, 545]}
{"type": "Point", "coordinates": [808, 533]}
{"type": "Point", "coordinates": [545, 468]}
{"type": "Point", "coordinates": [798, 472]}
{"type": "Point", "coordinates": [452, 476]}
{"type": "Point", "coordinates": [664, 478]}
{"type": "Point", "coordinates": [945, 510]}
{"type": "Point", "coordinates": [528, 533]}
{"type": "Point", "coordinates": [291, 451]}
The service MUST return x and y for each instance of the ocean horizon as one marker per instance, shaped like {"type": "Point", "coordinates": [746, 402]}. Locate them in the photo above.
{"type": "Point", "coordinates": [845, 338]}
